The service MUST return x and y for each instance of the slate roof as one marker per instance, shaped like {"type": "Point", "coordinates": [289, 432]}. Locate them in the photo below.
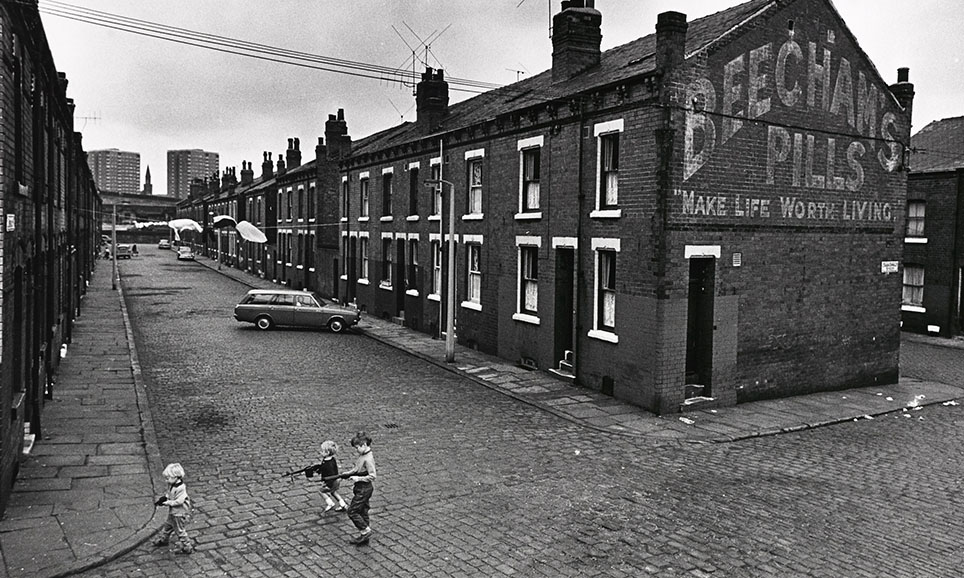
{"type": "Point", "coordinates": [633, 59]}
{"type": "Point", "coordinates": [939, 146]}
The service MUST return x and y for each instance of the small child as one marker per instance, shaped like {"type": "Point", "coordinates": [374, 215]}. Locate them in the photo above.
{"type": "Point", "coordinates": [363, 474]}
{"type": "Point", "coordinates": [329, 468]}
{"type": "Point", "coordinates": [179, 513]}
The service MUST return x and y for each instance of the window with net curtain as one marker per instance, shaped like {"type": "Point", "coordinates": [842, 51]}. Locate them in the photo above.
{"type": "Point", "coordinates": [531, 159]}
{"type": "Point", "coordinates": [436, 268]}
{"type": "Point", "coordinates": [913, 285]}
{"type": "Point", "coordinates": [529, 279]}
{"type": "Point", "coordinates": [607, 290]}
{"type": "Point", "coordinates": [474, 284]}
{"type": "Point", "coordinates": [363, 193]}
{"type": "Point", "coordinates": [915, 218]}
{"type": "Point", "coordinates": [608, 170]}
{"type": "Point", "coordinates": [411, 280]}
{"type": "Point", "coordinates": [475, 186]}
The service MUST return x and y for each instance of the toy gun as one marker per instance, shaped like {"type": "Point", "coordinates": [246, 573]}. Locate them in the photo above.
{"type": "Point", "coordinates": [313, 469]}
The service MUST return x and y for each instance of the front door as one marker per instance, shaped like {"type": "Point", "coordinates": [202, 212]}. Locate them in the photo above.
{"type": "Point", "coordinates": [699, 326]}
{"type": "Point", "coordinates": [400, 278]}
{"type": "Point", "coordinates": [564, 303]}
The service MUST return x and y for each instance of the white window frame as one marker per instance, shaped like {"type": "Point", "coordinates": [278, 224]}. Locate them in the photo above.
{"type": "Point", "coordinates": [915, 236]}
{"type": "Point", "coordinates": [602, 131]}
{"type": "Point", "coordinates": [364, 194]}
{"type": "Point", "coordinates": [473, 276]}
{"type": "Point", "coordinates": [526, 244]}
{"type": "Point", "coordinates": [525, 211]}
{"type": "Point", "coordinates": [411, 264]}
{"type": "Point", "coordinates": [435, 173]}
{"type": "Point", "coordinates": [435, 291]}
{"type": "Point", "coordinates": [599, 331]}
{"type": "Point", "coordinates": [363, 249]}
{"type": "Point", "coordinates": [473, 209]}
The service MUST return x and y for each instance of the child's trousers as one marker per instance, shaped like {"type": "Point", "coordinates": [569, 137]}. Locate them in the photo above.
{"type": "Point", "coordinates": [176, 525]}
{"type": "Point", "coordinates": [358, 509]}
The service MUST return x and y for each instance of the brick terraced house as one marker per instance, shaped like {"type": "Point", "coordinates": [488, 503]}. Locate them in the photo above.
{"type": "Point", "coordinates": [708, 215]}
{"type": "Point", "coordinates": [933, 266]}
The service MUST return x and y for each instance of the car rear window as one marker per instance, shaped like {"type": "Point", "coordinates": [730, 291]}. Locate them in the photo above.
{"type": "Point", "coordinates": [258, 299]}
{"type": "Point", "coordinates": [284, 300]}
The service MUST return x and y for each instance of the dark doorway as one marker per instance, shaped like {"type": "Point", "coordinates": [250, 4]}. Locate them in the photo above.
{"type": "Point", "coordinates": [335, 278]}
{"type": "Point", "coordinates": [563, 314]}
{"type": "Point", "coordinates": [699, 327]}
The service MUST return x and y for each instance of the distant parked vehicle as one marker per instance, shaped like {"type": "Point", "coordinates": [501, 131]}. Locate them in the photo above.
{"type": "Point", "coordinates": [123, 251]}
{"type": "Point", "coordinates": [269, 307]}
{"type": "Point", "coordinates": [164, 244]}
{"type": "Point", "coordinates": [185, 253]}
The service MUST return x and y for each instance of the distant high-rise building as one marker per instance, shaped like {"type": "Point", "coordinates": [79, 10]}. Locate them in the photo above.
{"type": "Point", "coordinates": [185, 165]}
{"type": "Point", "coordinates": [116, 171]}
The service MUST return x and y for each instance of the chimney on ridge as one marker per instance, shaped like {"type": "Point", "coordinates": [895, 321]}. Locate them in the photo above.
{"type": "Point", "coordinates": [281, 165]}
{"type": "Point", "coordinates": [431, 98]}
{"type": "Point", "coordinates": [293, 154]}
{"type": "Point", "coordinates": [267, 168]}
{"type": "Point", "coordinates": [336, 135]}
{"type": "Point", "coordinates": [576, 37]}
{"type": "Point", "coordinates": [670, 40]}
{"type": "Point", "coordinates": [247, 174]}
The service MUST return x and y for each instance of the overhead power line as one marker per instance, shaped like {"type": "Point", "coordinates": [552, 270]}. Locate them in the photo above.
{"type": "Point", "coordinates": [243, 47]}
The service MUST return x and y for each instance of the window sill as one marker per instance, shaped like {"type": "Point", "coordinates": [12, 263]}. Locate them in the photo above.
{"type": "Point", "coordinates": [300, 267]}
{"type": "Point", "coordinates": [344, 219]}
{"type": "Point", "coordinates": [471, 305]}
{"type": "Point", "coordinates": [362, 219]}
{"type": "Point", "coordinates": [387, 219]}
{"type": "Point", "coordinates": [434, 297]}
{"type": "Point", "coordinates": [412, 218]}
{"type": "Point", "coordinates": [528, 216]}
{"type": "Point", "coordinates": [473, 217]}
{"type": "Point", "coordinates": [606, 214]}
{"type": "Point", "coordinates": [434, 217]}
{"type": "Point", "coordinates": [607, 336]}
{"type": "Point", "coordinates": [343, 277]}
{"type": "Point", "coordinates": [913, 308]}
{"type": "Point", "coordinates": [385, 286]}
{"type": "Point", "coordinates": [526, 318]}
{"type": "Point", "coordinates": [412, 292]}
{"type": "Point", "coordinates": [915, 240]}
{"type": "Point", "coordinates": [311, 269]}
{"type": "Point", "coordinates": [362, 282]}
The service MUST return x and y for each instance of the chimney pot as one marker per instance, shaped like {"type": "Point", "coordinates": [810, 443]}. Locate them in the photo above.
{"type": "Point", "coordinates": [903, 74]}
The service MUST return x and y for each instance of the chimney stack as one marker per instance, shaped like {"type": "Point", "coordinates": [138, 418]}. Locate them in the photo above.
{"type": "Point", "coordinates": [336, 135]}
{"type": "Point", "coordinates": [281, 165]}
{"type": "Point", "coordinates": [321, 152]}
{"type": "Point", "coordinates": [903, 91]}
{"type": "Point", "coordinates": [267, 168]}
{"type": "Point", "coordinates": [293, 154]}
{"type": "Point", "coordinates": [670, 40]}
{"type": "Point", "coordinates": [576, 38]}
{"type": "Point", "coordinates": [431, 98]}
{"type": "Point", "coordinates": [247, 174]}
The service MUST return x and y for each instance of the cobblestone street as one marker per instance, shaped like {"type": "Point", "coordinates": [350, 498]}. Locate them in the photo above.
{"type": "Point", "coordinates": [475, 483]}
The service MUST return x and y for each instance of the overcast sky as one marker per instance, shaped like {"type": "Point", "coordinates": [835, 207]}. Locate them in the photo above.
{"type": "Point", "coordinates": [148, 95]}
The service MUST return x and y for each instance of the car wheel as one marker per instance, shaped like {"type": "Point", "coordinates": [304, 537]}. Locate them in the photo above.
{"type": "Point", "coordinates": [264, 323]}
{"type": "Point", "coordinates": [336, 325]}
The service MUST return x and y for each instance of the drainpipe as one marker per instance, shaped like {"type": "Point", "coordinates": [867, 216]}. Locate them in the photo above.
{"type": "Point", "coordinates": [955, 295]}
{"type": "Point", "coordinates": [580, 244]}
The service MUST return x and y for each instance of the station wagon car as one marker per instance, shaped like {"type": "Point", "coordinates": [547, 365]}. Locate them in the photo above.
{"type": "Point", "coordinates": [267, 308]}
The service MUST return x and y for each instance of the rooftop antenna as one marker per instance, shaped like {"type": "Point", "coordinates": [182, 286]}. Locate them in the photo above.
{"type": "Point", "coordinates": [94, 118]}
{"type": "Point", "coordinates": [518, 73]}
{"type": "Point", "coordinates": [549, 4]}
{"type": "Point", "coordinates": [401, 114]}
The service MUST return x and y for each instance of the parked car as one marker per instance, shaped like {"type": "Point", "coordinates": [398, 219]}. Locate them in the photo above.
{"type": "Point", "coordinates": [267, 308]}
{"type": "Point", "coordinates": [185, 253]}
{"type": "Point", "coordinates": [164, 244]}
{"type": "Point", "coordinates": [123, 251]}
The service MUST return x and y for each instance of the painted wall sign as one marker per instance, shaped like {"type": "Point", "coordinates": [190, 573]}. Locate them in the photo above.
{"type": "Point", "coordinates": [889, 266]}
{"type": "Point", "coordinates": [825, 136]}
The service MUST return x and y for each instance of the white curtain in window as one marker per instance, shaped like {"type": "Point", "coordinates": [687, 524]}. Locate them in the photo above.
{"type": "Point", "coordinates": [913, 285]}
{"type": "Point", "coordinates": [915, 219]}
{"type": "Point", "coordinates": [475, 188]}
{"type": "Point", "coordinates": [610, 168]}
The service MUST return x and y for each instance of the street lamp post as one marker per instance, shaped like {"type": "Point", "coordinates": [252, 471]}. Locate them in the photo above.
{"type": "Point", "coordinates": [113, 247]}
{"type": "Point", "coordinates": [450, 292]}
